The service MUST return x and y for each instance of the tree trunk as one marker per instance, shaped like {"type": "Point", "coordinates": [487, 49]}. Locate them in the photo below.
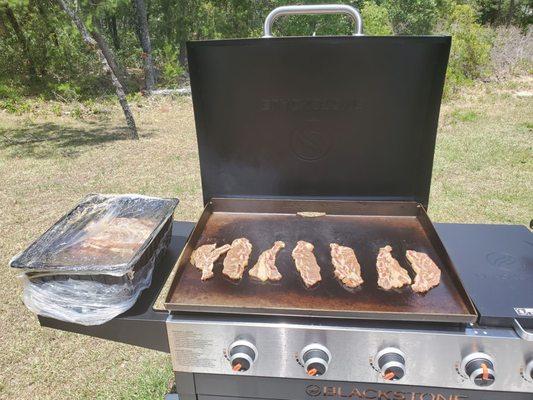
{"type": "Point", "coordinates": [87, 38]}
{"type": "Point", "coordinates": [110, 57]}
{"type": "Point", "coordinates": [182, 56]}
{"type": "Point", "coordinates": [144, 36]}
{"type": "Point", "coordinates": [108, 53]}
{"type": "Point", "coordinates": [510, 13]}
{"type": "Point", "coordinates": [42, 10]}
{"type": "Point", "coordinates": [22, 40]}
{"type": "Point", "coordinates": [3, 28]}
{"type": "Point", "coordinates": [112, 22]}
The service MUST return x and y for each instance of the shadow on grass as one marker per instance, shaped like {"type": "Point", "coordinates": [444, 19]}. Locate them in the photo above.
{"type": "Point", "coordinates": [47, 140]}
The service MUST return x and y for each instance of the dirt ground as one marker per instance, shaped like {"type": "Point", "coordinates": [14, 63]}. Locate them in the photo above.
{"type": "Point", "coordinates": [54, 155]}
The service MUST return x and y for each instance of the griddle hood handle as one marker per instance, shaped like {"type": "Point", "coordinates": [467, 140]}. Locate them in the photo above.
{"type": "Point", "coordinates": [520, 331]}
{"type": "Point", "coordinates": [314, 9]}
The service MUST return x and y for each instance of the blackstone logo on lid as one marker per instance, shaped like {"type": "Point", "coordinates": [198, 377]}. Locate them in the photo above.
{"type": "Point", "coordinates": [354, 392]}
{"type": "Point", "coordinates": [308, 104]}
{"type": "Point", "coordinates": [310, 144]}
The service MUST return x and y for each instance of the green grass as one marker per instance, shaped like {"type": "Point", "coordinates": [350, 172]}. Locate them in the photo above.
{"type": "Point", "coordinates": [54, 155]}
{"type": "Point", "coordinates": [465, 116]}
{"type": "Point", "coordinates": [483, 165]}
{"type": "Point", "coordinates": [47, 164]}
{"type": "Point", "coordinates": [152, 383]}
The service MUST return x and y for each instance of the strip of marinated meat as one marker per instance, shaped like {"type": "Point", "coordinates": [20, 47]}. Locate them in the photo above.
{"type": "Point", "coordinates": [306, 263]}
{"type": "Point", "coordinates": [347, 268]}
{"type": "Point", "coordinates": [427, 272]}
{"type": "Point", "coordinates": [237, 258]}
{"type": "Point", "coordinates": [390, 273]}
{"type": "Point", "coordinates": [204, 258]}
{"type": "Point", "coordinates": [116, 235]}
{"type": "Point", "coordinates": [265, 269]}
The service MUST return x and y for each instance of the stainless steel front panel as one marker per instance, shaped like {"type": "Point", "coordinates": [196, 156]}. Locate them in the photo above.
{"type": "Point", "coordinates": [433, 357]}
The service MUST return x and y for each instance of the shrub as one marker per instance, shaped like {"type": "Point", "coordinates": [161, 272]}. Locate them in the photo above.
{"type": "Point", "coordinates": [376, 19]}
{"type": "Point", "coordinates": [512, 52]}
{"type": "Point", "coordinates": [169, 68]}
{"type": "Point", "coordinates": [12, 98]}
{"type": "Point", "coordinates": [471, 45]}
{"type": "Point", "coordinates": [66, 91]}
{"type": "Point", "coordinates": [504, 12]}
{"type": "Point", "coordinates": [412, 17]}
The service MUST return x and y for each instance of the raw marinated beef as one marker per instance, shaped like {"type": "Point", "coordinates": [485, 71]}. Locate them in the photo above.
{"type": "Point", "coordinates": [390, 273]}
{"type": "Point", "coordinates": [306, 263]}
{"type": "Point", "coordinates": [266, 269]}
{"type": "Point", "coordinates": [427, 272]}
{"type": "Point", "coordinates": [115, 237]}
{"type": "Point", "coordinates": [347, 268]}
{"type": "Point", "coordinates": [205, 256]}
{"type": "Point", "coordinates": [237, 258]}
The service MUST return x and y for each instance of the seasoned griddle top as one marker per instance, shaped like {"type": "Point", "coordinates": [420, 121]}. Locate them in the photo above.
{"type": "Point", "coordinates": [364, 226]}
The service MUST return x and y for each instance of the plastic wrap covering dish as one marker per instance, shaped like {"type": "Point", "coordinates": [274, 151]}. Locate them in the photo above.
{"type": "Point", "coordinates": [94, 262]}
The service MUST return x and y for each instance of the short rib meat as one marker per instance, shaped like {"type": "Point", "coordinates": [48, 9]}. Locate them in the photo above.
{"type": "Point", "coordinates": [427, 272]}
{"type": "Point", "coordinates": [237, 258]}
{"type": "Point", "coordinates": [205, 256]}
{"type": "Point", "coordinates": [265, 269]}
{"type": "Point", "coordinates": [306, 263]}
{"type": "Point", "coordinates": [390, 273]}
{"type": "Point", "coordinates": [347, 268]}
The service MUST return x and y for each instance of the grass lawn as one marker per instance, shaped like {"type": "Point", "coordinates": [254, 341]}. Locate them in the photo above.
{"type": "Point", "coordinates": [53, 156]}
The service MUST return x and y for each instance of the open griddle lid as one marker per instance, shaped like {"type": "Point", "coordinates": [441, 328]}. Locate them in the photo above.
{"type": "Point", "coordinates": [328, 117]}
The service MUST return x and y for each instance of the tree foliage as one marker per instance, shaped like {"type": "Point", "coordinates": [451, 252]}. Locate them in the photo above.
{"type": "Point", "coordinates": [376, 19]}
{"type": "Point", "coordinates": [412, 17]}
{"type": "Point", "coordinates": [471, 45]}
{"type": "Point", "coordinates": [42, 50]}
{"type": "Point", "coordinates": [504, 12]}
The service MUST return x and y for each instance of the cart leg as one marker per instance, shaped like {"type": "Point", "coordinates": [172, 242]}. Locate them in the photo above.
{"type": "Point", "coordinates": [185, 388]}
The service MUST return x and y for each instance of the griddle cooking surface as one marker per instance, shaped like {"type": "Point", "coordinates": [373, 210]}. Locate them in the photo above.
{"type": "Point", "coordinates": [364, 233]}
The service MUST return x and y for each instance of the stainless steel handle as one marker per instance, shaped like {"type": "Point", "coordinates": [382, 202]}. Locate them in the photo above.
{"type": "Point", "coordinates": [520, 331]}
{"type": "Point", "coordinates": [314, 9]}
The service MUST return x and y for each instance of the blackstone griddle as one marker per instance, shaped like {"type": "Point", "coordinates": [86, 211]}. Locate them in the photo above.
{"type": "Point", "coordinates": [347, 124]}
{"type": "Point", "coordinates": [344, 126]}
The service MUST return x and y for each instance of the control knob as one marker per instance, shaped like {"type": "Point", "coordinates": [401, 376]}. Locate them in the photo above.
{"type": "Point", "coordinates": [242, 354]}
{"type": "Point", "coordinates": [479, 367]}
{"type": "Point", "coordinates": [316, 359]}
{"type": "Point", "coordinates": [391, 363]}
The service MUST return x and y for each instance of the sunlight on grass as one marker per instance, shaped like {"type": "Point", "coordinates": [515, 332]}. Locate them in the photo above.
{"type": "Point", "coordinates": [152, 383]}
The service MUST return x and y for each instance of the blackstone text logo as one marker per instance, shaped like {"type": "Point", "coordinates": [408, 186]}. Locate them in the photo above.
{"type": "Point", "coordinates": [374, 394]}
{"type": "Point", "coordinates": [308, 104]}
